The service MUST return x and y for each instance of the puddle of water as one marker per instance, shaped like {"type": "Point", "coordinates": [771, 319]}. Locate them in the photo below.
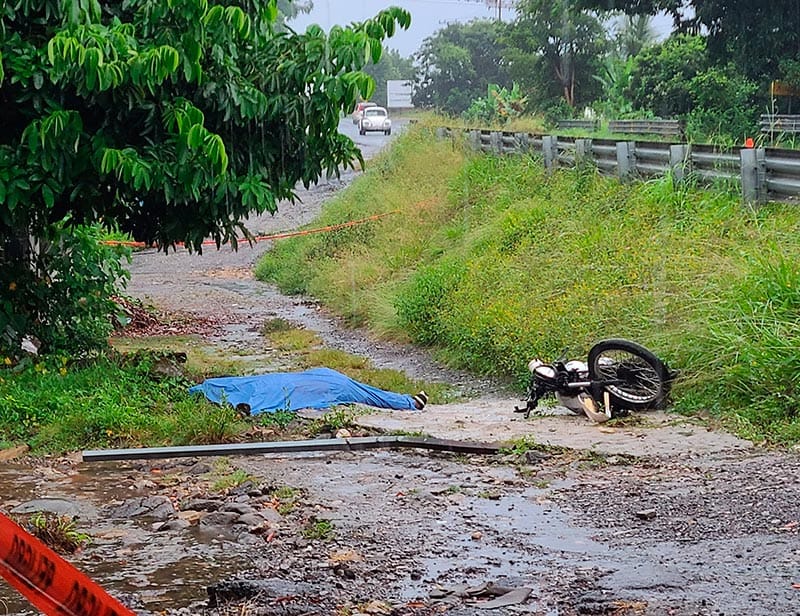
{"type": "Point", "coordinates": [124, 556]}
{"type": "Point", "coordinates": [510, 529]}
{"type": "Point", "coordinates": [542, 521]}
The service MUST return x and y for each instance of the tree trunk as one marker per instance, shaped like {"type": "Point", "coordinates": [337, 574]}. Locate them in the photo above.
{"type": "Point", "coordinates": [15, 247]}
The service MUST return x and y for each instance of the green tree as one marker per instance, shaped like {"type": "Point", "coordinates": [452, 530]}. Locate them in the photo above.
{"type": "Point", "coordinates": [391, 66]}
{"type": "Point", "coordinates": [632, 34]}
{"type": "Point", "coordinates": [755, 36]}
{"type": "Point", "coordinates": [173, 118]}
{"type": "Point", "coordinates": [555, 50]}
{"type": "Point", "coordinates": [662, 73]}
{"type": "Point", "coordinates": [457, 64]}
{"type": "Point", "coordinates": [289, 9]}
{"type": "Point", "coordinates": [790, 71]}
{"type": "Point", "coordinates": [678, 79]}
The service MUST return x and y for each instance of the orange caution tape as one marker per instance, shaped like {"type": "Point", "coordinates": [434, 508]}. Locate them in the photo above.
{"type": "Point", "coordinates": [264, 238]}
{"type": "Point", "coordinates": [49, 582]}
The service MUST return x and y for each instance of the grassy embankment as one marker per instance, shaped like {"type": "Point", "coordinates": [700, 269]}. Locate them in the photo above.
{"type": "Point", "coordinates": [492, 262]}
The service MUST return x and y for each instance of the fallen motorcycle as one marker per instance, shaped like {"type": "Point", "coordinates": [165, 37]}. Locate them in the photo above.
{"type": "Point", "coordinates": [619, 376]}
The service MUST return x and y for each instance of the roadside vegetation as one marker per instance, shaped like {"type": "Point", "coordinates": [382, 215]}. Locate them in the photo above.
{"type": "Point", "coordinates": [135, 395]}
{"type": "Point", "coordinates": [56, 406]}
{"type": "Point", "coordinates": [487, 260]}
{"type": "Point", "coordinates": [491, 262]}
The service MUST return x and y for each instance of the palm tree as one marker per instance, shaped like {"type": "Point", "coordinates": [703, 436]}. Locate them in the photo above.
{"type": "Point", "coordinates": [634, 33]}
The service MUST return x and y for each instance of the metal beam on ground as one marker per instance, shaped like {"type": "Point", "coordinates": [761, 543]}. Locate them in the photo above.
{"type": "Point", "coordinates": [283, 447]}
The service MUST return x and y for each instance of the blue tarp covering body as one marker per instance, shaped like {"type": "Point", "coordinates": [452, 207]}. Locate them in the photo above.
{"type": "Point", "coordinates": [318, 388]}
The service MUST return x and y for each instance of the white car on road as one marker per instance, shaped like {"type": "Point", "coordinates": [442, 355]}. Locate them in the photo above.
{"type": "Point", "coordinates": [375, 119]}
{"type": "Point", "coordinates": [359, 110]}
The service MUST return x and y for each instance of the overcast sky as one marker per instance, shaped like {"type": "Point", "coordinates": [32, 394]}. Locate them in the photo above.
{"type": "Point", "coordinates": [427, 16]}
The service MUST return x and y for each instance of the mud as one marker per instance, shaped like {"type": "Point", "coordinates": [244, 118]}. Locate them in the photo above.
{"type": "Point", "coordinates": [665, 516]}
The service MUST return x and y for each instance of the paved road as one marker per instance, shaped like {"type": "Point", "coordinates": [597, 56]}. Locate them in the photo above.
{"type": "Point", "coordinates": [371, 143]}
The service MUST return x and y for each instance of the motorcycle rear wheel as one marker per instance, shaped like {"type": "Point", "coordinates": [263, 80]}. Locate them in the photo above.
{"type": "Point", "coordinates": [634, 377]}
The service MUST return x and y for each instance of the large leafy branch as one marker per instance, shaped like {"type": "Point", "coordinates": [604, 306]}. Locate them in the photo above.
{"type": "Point", "coordinates": [174, 118]}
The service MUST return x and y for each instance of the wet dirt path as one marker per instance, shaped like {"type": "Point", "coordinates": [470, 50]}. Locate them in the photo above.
{"type": "Point", "coordinates": [587, 535]}
{"type": "Point", "coordinates": [666, 518]}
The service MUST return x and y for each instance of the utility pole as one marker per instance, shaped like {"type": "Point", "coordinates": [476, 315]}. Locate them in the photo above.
{"type": "Point", "coordinates": [499, 5]}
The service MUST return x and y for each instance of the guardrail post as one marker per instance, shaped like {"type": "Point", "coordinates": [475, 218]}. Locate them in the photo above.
{"type": "Point", "coordinates": [475, 140]}
{"type": "Point", "coordinates": [550, 152]}
{"type": "Point", "coordinates": [626, 161]}
{"type": "Point", "coordinates": [583, 153]}
{"type": "Point", "coordinates": [496, 141]}
{"type": "Point", "coordinates": [523, 143]}
{"type": "Point", "coordinates": [680, 160]}
{"type": "Point", "coordinates": [754, 175]}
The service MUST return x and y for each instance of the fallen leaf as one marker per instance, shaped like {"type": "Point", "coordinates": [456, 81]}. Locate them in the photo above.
{"type": "Point", "coordinates": [376, 607]}
{"type": "Point", "coordinates": [14, 452]}
{"type": "Point", "coordinates": [345, 556]}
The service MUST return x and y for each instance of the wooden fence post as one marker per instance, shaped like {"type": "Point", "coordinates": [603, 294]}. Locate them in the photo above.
{"type": "Point", "coordinates": [626, 159]}
{"type": "Point", "coordinates": [754, 175]}
{"type": "Point", "coordinates": [550, 152]}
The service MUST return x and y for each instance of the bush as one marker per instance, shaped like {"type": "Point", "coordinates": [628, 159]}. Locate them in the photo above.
{"type": "Point", "coordinates": [724, 105]}
{"type": "Point", "coordinates": [677, 79]}
{"type": "Point", "coordinates": [560, 110]}
{"type": "Point", "coordinates": [65, 301]}
{"type": "Point", "coordinates": [501, 105]}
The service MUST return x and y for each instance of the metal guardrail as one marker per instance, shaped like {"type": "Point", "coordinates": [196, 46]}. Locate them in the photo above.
{"type": "Point", "coordinates": [581, 124]}
{"type": "Point", "coordinates": [711, 163]}
{"type": "Point", "coordinates": [779, 124]}
{"type": "Point", "coordinates": [604, 154]}
{"type": "Point", "coordinates": [763, 173]}
{"type": "Point", "coordinates": [781, 173]}
{"type": "Point", "coordinates": [665, 128]}
{"type": "Point", "coordinates": [652, 158]}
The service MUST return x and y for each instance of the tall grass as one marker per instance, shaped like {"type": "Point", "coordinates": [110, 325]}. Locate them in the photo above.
{"type": "Point", "coordinates": [491, 261]}
{"type": "Point", "coordinates": [106, 403]}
